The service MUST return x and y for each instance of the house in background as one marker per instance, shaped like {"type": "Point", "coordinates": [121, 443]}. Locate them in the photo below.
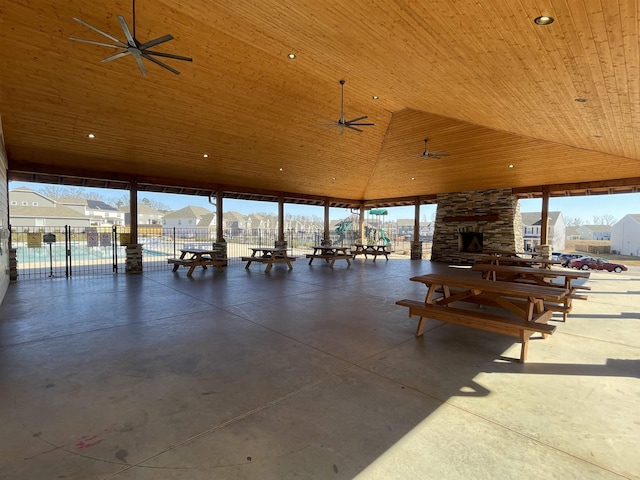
{"type": "Point", "coordinates": [207, 221]}
{"type": "Point", "coordinates": [531, 228]}
{"type": "Point", "coordinates": [406, 225]}
{"type": "Point", "coordinates": [234, 223]}
{"type": "Point", "coordinates": [26, 197]}
{"type": "Point", "coordinates": [31, 209]}
{"type": "Point", "coordinates": [625, 235]}
{"type": "Point", "coordinates": [594, 232]}
{"type": "Point", "coordinates": [101, 213]}
{"type": "Point", "coordinates": [187, 217]}
{"type": "Point", "coordinates": [572, 233]}
{"type": "Point", "coordinates": [146, 215]}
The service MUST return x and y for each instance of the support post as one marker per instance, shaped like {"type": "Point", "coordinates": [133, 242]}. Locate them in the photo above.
{"type": "Point", "coordinates": [133, 250]}
{"type": "Point", "coordinates": [416, 244]}
{"type": "Point", "coordinates": [361, 239]}
{"type": "Point", "coordinates": [326, 238]}
{"type": "Point", "coordinates": [281, 242]}
{"type": "Point", "coordinates": [545, 247]}
{"type": "Point", "coordinates": [220, 245]}
{"type": "Point", "coordinates": [133, 210]}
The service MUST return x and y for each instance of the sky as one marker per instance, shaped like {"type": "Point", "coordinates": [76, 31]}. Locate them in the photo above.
{"type": "Point", "coordinates": [585, 207]}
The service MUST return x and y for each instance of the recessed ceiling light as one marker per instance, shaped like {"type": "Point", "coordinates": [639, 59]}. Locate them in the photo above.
{"type": "Point", "coordinates": [544, 20]}
{"type": "Point", "coordinates": [281, 169]}
{"type": "Point", "coordinates": [206, 155]}
{"type": "Point", "coordinates": [375, 97]}
{"type": "Point", "coordinates": [511, 165]}
{"type": "Point", "coordinates": [334, 179]}
{"type": "Point", "coordinates": [91, 135]}
{"type": "Point", "coordinates": [581, 100]}
{"type": "Point", "coordinates": [292, 56]}
{"type": "Point", "coordinates": [413, 178]}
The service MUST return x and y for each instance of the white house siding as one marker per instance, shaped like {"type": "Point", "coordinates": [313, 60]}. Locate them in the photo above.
{"type": "Point", "coordinates": [26, 197]}
{"type": "Point", "coordinates": [625, 235]}
{"type": "Point", "coordinates": [531, 230]}
{"type": "Point", "coordinates": [43, 217]}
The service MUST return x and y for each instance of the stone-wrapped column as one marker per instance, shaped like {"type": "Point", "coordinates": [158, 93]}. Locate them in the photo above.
{"type": "Point", "coordinates": [221, 250]}
{"type": "Point", "coordinates": [545, 250]}
{"type": "Point", "coordinates": [13, 264]}
{"type": "Point", "coordinates": [134, 258]}
{"type": "Point", "coordinates": [416, 250]}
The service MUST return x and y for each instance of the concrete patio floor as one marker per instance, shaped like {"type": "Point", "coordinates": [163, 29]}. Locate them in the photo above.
{"type": "Point", "coordinates": [313, 373]}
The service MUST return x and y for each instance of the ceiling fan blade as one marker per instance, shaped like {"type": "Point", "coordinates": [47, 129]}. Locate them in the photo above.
{"type": "Point", "coordinates": [158, 62]}
{"type": "Point", "coordinates": [97, 43]}
{"type": "Point", "coordinates": [116, 56]}
{"type": "Point", "coordinates": [167, 55]}
{"type": "Point", "coordinates": [157, 41]}
{"type": "Point", "coordinates": [439, 154]}
{"type": "Point", "coordinates": [361, 124]}
{"type": "Point", "coordinates": [328, 127]}
{"type": "Point", "coordinates": [127, 32]}
{"type": "Point", "coordinates": [356, 119]}
{"type": "Point", "coordinates": [353, 128]}
{"type": "Point", "coordinates": [328, 121]}
{"type": "Point", "coordinates": [140, 64]}
{"type": "Point", "coordinates": [99, 31]}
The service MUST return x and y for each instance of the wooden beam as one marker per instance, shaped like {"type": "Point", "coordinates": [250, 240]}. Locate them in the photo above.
{"type": "Point", "coordinates": [133, 212]}
{"type": "Point", "coordinates": [544, 222]}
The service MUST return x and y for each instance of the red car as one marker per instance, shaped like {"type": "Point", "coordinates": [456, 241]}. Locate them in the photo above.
{"type": "Point", "coordinates": [597, 263]}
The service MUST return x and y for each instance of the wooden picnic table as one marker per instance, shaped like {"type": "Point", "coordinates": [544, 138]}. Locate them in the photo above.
{"type": "Point", "coordinates": [539, 276]}
{"type": "Point", "coordinates": [523, 305]}
{"type": "Point", "coordinates": [330, 253]}
{"type": "Point", "coordinates": [197, 257]}
{"type": "Point", "coordinates": [508, 260]}
{"type": "Point", "coordinates": [510, 253]}
{"type": "Point", "coordinates": [372, 249]}
{"type": "Point", "coordinates": [269, 256]}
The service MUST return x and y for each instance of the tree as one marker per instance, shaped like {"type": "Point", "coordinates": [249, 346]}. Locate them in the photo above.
{"type": "Point", "coordinates": [56, 191]}
{"type": "Point", "coordinates": [608, 219]}
{"type": "Point", "coordinates": [574, 222]}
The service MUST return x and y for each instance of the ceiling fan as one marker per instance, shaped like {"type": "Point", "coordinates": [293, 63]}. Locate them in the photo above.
{"type": "Point", "coordinates": [428, 154]}
{"type": "Point", "coordinates": [133, 46]}
{"type": "Point", "coordinates": [342, 123]}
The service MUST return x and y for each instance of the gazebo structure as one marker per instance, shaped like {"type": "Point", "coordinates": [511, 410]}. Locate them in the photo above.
{"type": "Point", "coordinates": [323, 103]}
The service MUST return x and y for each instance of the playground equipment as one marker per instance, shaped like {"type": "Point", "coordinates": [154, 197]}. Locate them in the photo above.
{"type": "Point", "coordinates": [347, 229]}
{"type": "Point", "coordinates": [373, 234]}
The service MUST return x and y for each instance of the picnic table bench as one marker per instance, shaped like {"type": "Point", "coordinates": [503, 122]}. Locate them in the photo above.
{"type": "Point", "coordinates": [197, 258]}
{"type": "Point", "coordinates": [540, 276]}
{"type": "Point", "coordinates": [518, 261]}
{"type": "Point", "coordinates": [370, 249]}
{"type": "Point", "coordinates": [330, 254]}
{"type": "Point", "coordinates": [521, 309]}
{"type": "Point", "coordinates": [269, 256]}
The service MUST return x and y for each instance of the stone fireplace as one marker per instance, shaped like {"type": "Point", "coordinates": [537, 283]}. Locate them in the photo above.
{"type": "Point", "coordinates": [469, 222]}
{"type": "Point", "coordinates": [469, 240]}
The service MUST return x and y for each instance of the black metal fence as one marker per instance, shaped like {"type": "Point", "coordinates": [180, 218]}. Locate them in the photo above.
{"type": "Point", "coordinates": [72, 251]}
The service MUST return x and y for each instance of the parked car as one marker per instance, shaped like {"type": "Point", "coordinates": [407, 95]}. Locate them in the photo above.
{"type": "Point", "coordinates": [567, 257]}
{"type": "Point", "coordinates": [597, 263]}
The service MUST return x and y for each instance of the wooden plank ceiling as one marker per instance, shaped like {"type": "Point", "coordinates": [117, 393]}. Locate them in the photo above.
{"type": "Point", "coordinates": [481, 80]}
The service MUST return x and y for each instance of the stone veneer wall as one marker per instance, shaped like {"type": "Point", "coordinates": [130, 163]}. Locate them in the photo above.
{"type": "Point", "coordinates": [502, 233]}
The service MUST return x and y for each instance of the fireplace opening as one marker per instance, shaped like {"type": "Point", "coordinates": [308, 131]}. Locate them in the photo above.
{"type": "Point", "coordinates": [470, 242]}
